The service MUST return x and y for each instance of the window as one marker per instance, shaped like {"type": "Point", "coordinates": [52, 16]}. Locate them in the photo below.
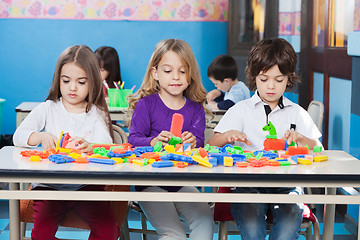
{"type": "Point", "coordinates": [249, 22]}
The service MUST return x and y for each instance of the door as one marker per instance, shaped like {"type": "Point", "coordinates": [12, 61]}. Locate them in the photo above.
{"type": "Point", "coordinates": [324, 28]}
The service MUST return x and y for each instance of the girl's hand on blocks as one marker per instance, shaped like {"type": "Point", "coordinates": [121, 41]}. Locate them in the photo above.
{"type": "Point", "coordinates": [188, 137]}
{"type": "Point", "coordinates": [212, 95]}
{"type": "Point", "coordinates": [234, 135]}
{"type": "Point", "coordinates": [292, 136]}
{"type": "Point", "coordinates": [48, 140]}
{"type": "Point", "coordinates": [81, 144]}
{"type": "Point", "coordinates": [163, 137]}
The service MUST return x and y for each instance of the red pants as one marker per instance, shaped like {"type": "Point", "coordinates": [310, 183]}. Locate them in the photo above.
{"type": "Point", "coordinates": [48, 214]}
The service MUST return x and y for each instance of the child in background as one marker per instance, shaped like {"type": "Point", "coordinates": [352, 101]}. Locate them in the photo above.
{"type": "Point", "coordinates": [223, 72]}
{"type": "Point", "coordinates": [172, 84]}
{"type": "Point", "coordinates": [270, 71]}
{"type": "Point", "coordinates": [75, 105]}
{"type": "Point", "coordinates": [109, 67]}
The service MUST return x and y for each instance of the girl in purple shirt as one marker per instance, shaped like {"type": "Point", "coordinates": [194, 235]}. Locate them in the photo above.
{"type": "Point", "coordinates": [172, 84]}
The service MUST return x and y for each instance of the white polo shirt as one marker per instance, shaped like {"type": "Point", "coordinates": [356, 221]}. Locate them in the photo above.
{"type": "Point", "coordinates": [249, 117]}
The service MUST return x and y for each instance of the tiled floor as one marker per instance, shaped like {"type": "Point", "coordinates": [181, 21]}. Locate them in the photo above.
{"type": "Point", "coordinates": [340, 232]}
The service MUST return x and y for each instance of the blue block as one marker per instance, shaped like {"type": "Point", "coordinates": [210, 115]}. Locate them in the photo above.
{"type": "Point", "coordinates": [102, 161]}
{"type": "Point", "coordinates": [238, 158]}
{"type": "Point", "coordinates": [213, 161]}
{"type": "Point", "coordinates": [161, 164]}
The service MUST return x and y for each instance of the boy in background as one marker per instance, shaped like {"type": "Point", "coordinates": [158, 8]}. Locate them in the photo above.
{"type": "Point", "coordinates": [223, 72]}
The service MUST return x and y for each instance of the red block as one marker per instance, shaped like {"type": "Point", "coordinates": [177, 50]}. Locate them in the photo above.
{"type": "Point", "coordinates": [177, 124]}
{"type": "Point", "coordinates": [274, 144]}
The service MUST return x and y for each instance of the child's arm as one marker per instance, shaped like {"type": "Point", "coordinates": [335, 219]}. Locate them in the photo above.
{"type": "Point", "coordinates": [221, 139]}
{"type": "Point", "coordinates": [212, 95]}
{"type": "Point", "coordinates": [140, 126]}
{"type": "Point", "coordinates": [46, 139]}
{"type": "Point", "coordinates": [33, 124]}
{"type": "Point", "coordinates": [293, 136]}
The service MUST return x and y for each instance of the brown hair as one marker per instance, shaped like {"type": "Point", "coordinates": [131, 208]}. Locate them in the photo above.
{"type": "Point", "coordinates": [108, 59]}
{"type": "Point", "coordinates": [270, 52]}
{"type": "Point", "coordinates": [84, 57]}
{"type": "Point", "coordinates": [195, 91]}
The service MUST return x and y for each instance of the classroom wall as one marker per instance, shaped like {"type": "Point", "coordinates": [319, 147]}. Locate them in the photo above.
{"type": "Point", "coordinates": [289, 29]}
{"type": "Point", "coordinates": [30, 48]}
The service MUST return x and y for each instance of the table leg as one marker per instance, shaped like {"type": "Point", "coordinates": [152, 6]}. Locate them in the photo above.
{"type": "Point", "coordinates": [329, 216]}
{"type": "Point", "coordinates": [14, 214]}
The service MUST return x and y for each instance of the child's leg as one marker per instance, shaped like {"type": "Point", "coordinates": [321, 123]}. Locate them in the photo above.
{"type": "Point", "coordinates": [198, 215]}
{"type": "Point", "coordinates": [99, 215]}
{"type": "Point", "coordinates": [48, 215]}
{"type": "Point", "coordinates": [287, 218]}
{"type": "Point", "coordinates": [250, 217]}
{"type": "Point", "coordinates": [164, 217]}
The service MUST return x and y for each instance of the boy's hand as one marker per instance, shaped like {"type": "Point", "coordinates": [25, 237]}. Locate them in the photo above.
{"type": "Point", "coordinates": [234, 135]}
{"type": "Point", "coordinates": [212, 95]}
{"type": "Point", "coordinates": [48, 140]}
{"type": "Point", "coordinates": [81, 144]}
{"type": "Point", "coordinates": [292, 136]}
{"type": "Point", "coordinates": [188, 137]}
{"type": "Point", "coordinates": [164, 137]}
{"type": "Point", "coordinates": [212, 105]}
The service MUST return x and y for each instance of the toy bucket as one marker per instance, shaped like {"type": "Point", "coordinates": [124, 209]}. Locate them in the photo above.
{"type": "Point", "coordinates": [117, 97]}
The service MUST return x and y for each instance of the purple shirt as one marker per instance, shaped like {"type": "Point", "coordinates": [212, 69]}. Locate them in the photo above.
{"type": "Point", "coordinates": [151, 116]}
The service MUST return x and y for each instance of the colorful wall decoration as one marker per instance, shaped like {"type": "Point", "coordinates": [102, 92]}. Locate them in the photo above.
{"type": "Point", "coordinates": [149, 10]}
{"type": "Point", "coordinates": [289, 23]}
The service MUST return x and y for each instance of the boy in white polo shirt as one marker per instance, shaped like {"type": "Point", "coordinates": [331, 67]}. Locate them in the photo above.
{"type": "Point", "coordinates": [270, 71]}
{"type": "Point", "coordinates": [223, 72]}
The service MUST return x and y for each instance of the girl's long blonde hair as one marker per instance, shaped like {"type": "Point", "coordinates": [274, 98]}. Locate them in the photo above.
{"type": "Point", "coordinates": [195, 91]}
{"type": "Point", "coordinates": [85, 58]}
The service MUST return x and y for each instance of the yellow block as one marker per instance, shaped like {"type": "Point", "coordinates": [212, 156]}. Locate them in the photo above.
{"type": "Point", "coordinates": [34, 158]}
{"type": "Point", "coordinates": [304, 161]}
{"type": "Point", "coordinates": [74, 155]}
{"type": "Point", "coordinates": [228, 162]}
{"type": "Point", "coordinates": [138, 162]}
{"type": "Point", "coordinates": [202, 161]}
{"type": "Point", "coordinates": [59, 139]}
{"type": "Point", "coordinates": [169, 148]}
{"type": "Point", "coordinates": [118, 160]}
{"type": "Point", "coordinates": [320, 158]}
{"type": "Point", "coordinates": [64, 150]}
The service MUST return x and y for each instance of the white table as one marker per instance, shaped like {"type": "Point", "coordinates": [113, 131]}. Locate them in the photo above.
{"type": "Point", "coordinates": [342, 170]}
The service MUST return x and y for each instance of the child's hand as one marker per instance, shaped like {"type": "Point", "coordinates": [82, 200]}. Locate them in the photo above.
{"type": "Point", "coordinates": [212, 95]}
{"type": "Point", "coordinates": [212, 105]}
{"type": "Point", "coordinates": [163, 137]}
{"type": "Point", "coordinates": [292, 136]}
{"type": "Point", "coordinates": [48, 140]}
{"type": "Point", "coordinates": [81, 144]}
{"type": "Point", "coordinates": [188, 137]}
{"type": "Point", "coordinates": [234, 135]}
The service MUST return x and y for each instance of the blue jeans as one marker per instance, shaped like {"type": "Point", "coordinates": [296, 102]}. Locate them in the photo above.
{"type": "Point", "coordinates": [250, 218]}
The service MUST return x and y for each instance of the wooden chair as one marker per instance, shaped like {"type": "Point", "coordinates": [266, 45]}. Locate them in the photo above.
{"type": "Point", "coordinates": [222, 216]}
{"type": "Point", "coordinates": [72, 219]}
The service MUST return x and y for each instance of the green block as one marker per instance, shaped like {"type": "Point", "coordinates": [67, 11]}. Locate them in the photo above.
{"type": "Point", "coordinates": [174, 140]}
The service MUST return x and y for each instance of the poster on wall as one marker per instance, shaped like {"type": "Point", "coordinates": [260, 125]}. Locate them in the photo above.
{"type": "Point", "coordinates": [144, 10]}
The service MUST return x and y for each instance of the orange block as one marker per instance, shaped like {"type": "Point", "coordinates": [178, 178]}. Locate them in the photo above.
{"type": "Point", "coordinates": [274, 144]}
{"type": "Point", "coordinates": [297, 150]}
